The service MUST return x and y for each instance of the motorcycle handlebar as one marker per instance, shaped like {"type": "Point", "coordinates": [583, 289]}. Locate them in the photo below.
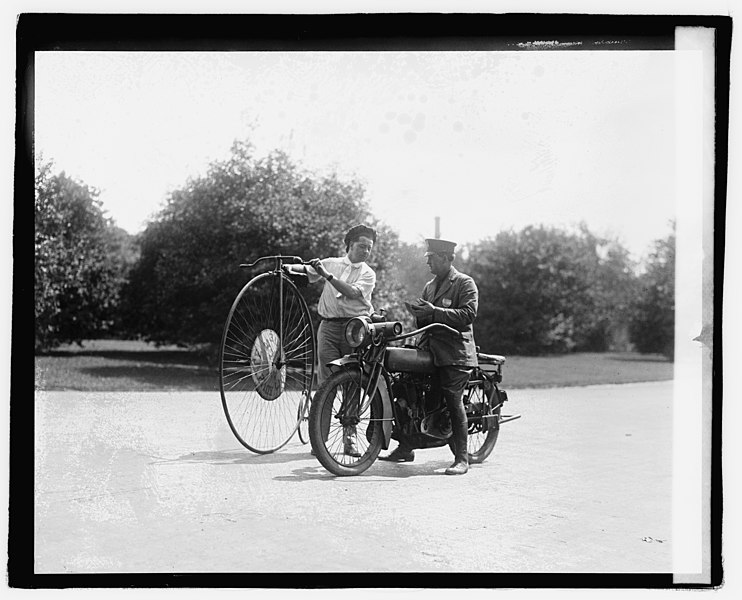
{"type": "Point", "coordinates": [426, 328]}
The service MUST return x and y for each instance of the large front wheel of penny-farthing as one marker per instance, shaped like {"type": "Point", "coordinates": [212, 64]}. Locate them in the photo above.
{"type": "Point", "coordinates": [266, 362]}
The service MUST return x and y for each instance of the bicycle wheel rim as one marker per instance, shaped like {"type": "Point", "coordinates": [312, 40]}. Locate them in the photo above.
{"type": "Point", "coordinates": [479, 442]}
{"type": "Point", "coordinates": [328, 433]}
{"type": "Point", "coordinates": [303, 429]}
{"type": "Point", "coordinates": [266, 363]}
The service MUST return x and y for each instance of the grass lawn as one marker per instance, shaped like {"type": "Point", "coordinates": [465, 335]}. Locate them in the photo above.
{"type": "Point", "coordinates": [585, 369]}
{"type": "Point", "coordinates": [117, 365]}
{"type": "Point", "coordinates": [108, 365]}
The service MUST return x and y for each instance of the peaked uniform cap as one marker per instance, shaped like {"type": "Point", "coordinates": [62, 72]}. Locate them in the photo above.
{"type": "Point", "coordinates": [436, 246]}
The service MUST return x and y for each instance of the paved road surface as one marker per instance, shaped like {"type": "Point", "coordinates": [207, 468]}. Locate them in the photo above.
{"type": "Point", "coordinates": [155, 482]}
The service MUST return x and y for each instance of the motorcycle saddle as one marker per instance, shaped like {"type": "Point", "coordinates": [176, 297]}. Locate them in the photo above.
{"type": "Point", "coordinates": [490, 359]}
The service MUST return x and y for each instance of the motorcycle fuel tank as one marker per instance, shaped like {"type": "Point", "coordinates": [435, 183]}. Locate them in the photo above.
{"type": "Point", "coordinates": [409, 360]}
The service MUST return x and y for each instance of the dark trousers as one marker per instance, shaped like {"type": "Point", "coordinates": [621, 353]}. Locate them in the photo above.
{"type": "Point", "coordinates": [452, 380]}
{"type": "Point", "coordinates": [331, 345]}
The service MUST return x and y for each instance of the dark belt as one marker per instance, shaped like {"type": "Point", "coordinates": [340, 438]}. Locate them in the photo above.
{"type": "Point", "coordinates": [336, 319]}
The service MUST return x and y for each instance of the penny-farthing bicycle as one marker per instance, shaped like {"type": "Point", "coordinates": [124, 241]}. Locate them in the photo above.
{"type": "Point", "coordinates": [266, 362]}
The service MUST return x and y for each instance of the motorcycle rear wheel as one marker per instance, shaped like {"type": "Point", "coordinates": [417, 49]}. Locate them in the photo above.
{"type": "Point", "coordinates": [328, 435]}
{"type": "Point", "coordinates": [480, 444]}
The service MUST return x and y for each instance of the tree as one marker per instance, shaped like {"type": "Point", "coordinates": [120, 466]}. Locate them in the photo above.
{"type": "Point", "coordinates": [77, 270]}
{"type": "Point", "coordinates": [413, 270]}
{"type": "Point", "coordinates": [611, 277]}
{"type": "Point", "coordinates": [545, 290]}
{"type": "Point", "coordinates": [407, 276]}
{"type": "Point", "coordinates": [182, 287]}
{"type": "Point", "coordinates": [653, 324]}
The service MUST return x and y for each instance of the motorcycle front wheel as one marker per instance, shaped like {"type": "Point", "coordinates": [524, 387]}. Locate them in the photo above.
{"type": "Point", "coordinates": [344, 424]}
{"type": "Point", "coordinates": [480, 444]}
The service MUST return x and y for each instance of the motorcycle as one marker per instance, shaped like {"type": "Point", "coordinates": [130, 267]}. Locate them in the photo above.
{"type": "Point", "coordinates": [385, 391]}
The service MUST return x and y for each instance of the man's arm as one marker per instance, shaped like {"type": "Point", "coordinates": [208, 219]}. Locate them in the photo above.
{"type": "Point", "coordinates": [464, 314]}
{"type": "Point", "coordinates": [423, 312]}
{"type": "Point", "coordinates": [306, 269]}
{"type": "Point", "coordinates": [457, 317]}
{"type": "Point", "coordinates": [365, 284]}
{"type": "Point", "coordinates": [349, 290]}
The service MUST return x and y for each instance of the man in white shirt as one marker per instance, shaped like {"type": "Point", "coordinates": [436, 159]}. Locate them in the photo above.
{"type": "Point", "coordinates": [349, 283]}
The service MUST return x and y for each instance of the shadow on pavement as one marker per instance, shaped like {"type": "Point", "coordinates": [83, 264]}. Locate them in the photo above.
{"type": "Point", "coordinates": [374, 474]}
{"type": "Point", "coordinates": [239, 457]}
{"type": "Point", "coordinates": [377, 472]}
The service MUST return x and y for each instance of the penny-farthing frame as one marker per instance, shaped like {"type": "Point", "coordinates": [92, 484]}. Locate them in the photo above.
{"type": "Point", "coordinates": [266, 361]}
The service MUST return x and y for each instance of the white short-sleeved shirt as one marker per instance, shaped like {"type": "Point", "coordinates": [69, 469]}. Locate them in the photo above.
{"type": "Point", "coordinates": [332, 304]}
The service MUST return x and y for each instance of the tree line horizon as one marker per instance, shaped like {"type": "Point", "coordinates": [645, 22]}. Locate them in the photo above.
{"type": "Point", "coordinates": [542, 289]}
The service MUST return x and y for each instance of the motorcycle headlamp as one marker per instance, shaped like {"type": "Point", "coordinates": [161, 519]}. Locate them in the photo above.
{"type": "Point", "coordinates": [358, 332]}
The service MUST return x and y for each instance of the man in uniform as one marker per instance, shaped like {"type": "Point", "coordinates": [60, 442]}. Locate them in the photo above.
{"type": "Point", "coordinates": [451, 298]}
{"type": "Point", "coordinates": [349, 282]}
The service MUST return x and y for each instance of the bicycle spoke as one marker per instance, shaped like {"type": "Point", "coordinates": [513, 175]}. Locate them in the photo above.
{"type": "Point", "coordinates": [263, 384]}
{"type": "Point", "coordinates": [338, 433]}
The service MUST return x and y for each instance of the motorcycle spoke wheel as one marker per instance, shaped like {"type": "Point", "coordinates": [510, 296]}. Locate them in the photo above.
{"type": "Point", "coordinates": [481, 443]}
{"type": "Point", "coordinates": [266, 363]}
{"type": "Point", "coordinates": [333, 441]}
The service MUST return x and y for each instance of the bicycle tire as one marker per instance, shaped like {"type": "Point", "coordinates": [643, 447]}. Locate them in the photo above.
{"type": "Point", "coordinates": [480, 403]}
{"type": "Point", "coordinates": [266, 362]}
{"type": "Point", "coordinates": [328, 434]}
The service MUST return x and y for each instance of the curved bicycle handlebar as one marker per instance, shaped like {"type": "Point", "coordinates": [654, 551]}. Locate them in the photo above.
{"type": "Point", "coordinates": [426, 328]}
{"type": "Point", "coordinates": [296, 260]}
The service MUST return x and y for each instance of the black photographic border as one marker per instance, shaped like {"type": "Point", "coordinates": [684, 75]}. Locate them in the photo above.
{"type": "Point", "coordinates": [327, 32]}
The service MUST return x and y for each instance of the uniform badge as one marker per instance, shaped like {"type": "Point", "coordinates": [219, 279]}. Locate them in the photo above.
{"type": "Point", "coordinates": [446, 302]}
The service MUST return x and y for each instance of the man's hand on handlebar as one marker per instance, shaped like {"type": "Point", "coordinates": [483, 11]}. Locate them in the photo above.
{"type": "Point", "coordinates": [316, 264]}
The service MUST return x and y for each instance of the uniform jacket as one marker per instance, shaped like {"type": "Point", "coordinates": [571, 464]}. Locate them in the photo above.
{"type": "Point", "coordinates": [456, 306]}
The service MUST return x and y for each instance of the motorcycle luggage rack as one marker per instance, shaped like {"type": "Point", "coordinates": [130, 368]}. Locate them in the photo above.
{"type": "Point", "coordinates": [490, 359]}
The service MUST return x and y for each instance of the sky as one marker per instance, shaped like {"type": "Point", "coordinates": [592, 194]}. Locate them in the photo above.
{"type": "Point", "coordinates": [486, 141]}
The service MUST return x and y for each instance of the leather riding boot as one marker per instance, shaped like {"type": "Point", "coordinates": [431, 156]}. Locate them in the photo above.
{"type": "Point", "coordinates": [453, 380]}
{"type": "Point", "coordinates": [461, 457]}
{"type": "Point", "coordinates": [400, 454]}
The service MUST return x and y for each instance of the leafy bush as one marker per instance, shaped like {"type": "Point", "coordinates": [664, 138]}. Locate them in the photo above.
{"type": "Point", "coordinates": [545, 290]}
{"type": "Point", "coordinates": [78, 267]}
{"type": "Point", "coordinates": [653, 323]}
{"type": "Point", "coordinates": [182, 287]}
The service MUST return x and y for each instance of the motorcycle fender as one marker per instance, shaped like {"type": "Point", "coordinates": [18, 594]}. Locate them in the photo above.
{"type": "Point", "coordinates": [345, 360]}
{"type": "Point", "coordinates": [387, 413]}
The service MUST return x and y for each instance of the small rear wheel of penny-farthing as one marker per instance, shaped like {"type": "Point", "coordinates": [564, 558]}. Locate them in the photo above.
{"type": "Point", "coordinates": [304, 421]}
